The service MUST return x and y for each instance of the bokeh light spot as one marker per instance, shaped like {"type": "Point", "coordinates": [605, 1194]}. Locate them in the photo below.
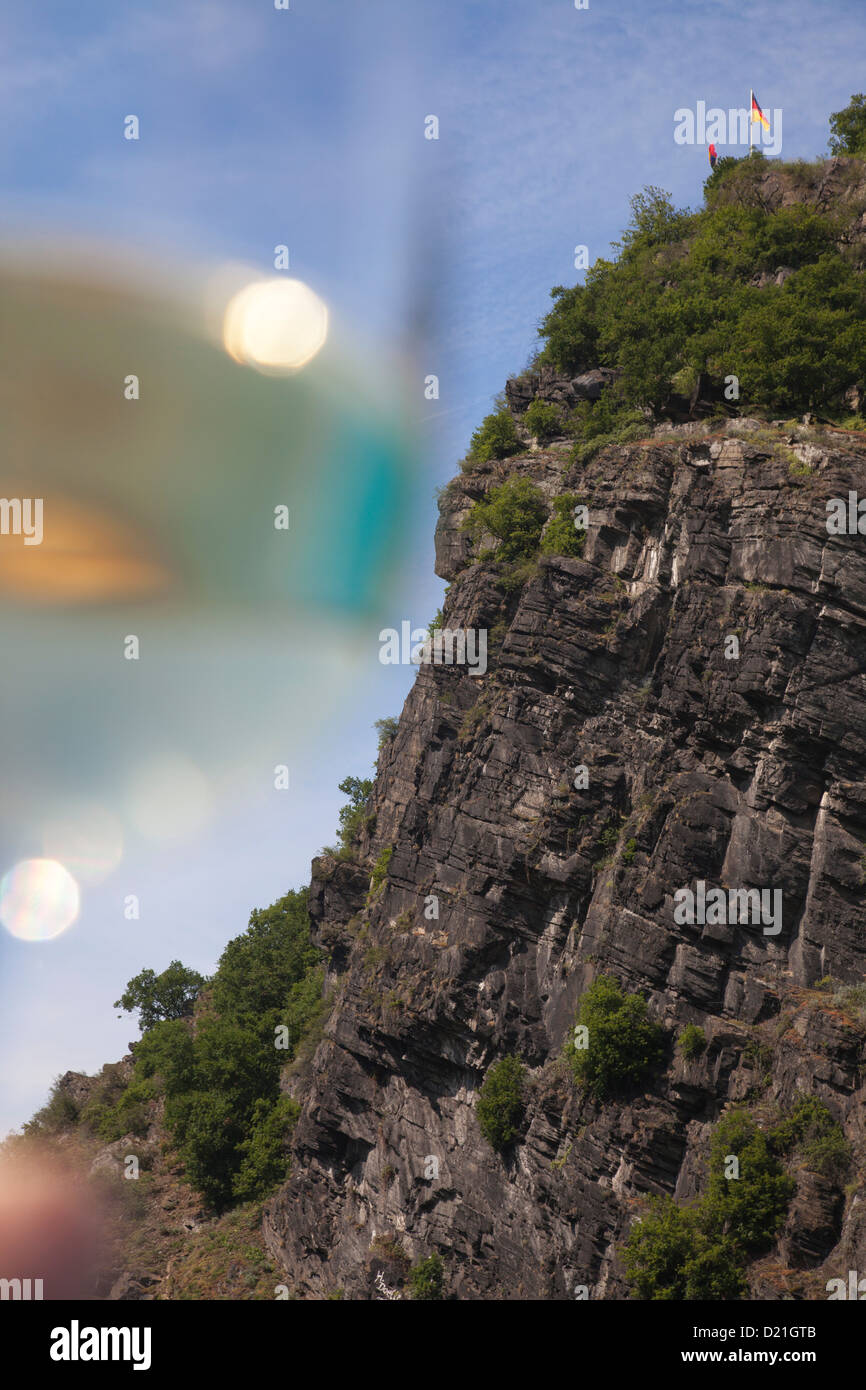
{"type": "Point", "coordinates": [39, 899]}
{"type": "Point", "coordinates": [275, 325]}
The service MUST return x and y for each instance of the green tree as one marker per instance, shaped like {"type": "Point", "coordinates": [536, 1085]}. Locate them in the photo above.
{"type": "Point", "coordinates": [684, 297]}
{"type": "Point", "coordinates": [207, 1132]}
{"type": "Point", "coordinates": [542, 420]}
{"type": "Point", "coordinates": [59, 1112]}
{"type": "Point", "coordinates": [265, 1152]}
{"type": "Point", "coordinates": [819, 1139]}
{"type": "Point", "coordinates": [495, 438]}
{"type": "Point", "coordinates": [220, 1080]}
{"type": "Point", "coordinates": [561, 536]}
{"type": "Point", "coordinates": [514, 513]}
{"type": "Point", "coordinates": [658, 1248]}
{"type": "Point", "coordinates": [352, 816]}
{"type": "Point", "coordinates": [692, 1040]}
{"type": "Point", "coordinates": [386, 728]}
{"type": "Point", "coordinates": [701, 1251]}
{"type": "Point", "coordinates": [719, 175]}
{"type": "Point", "coordinates": [212, 1118]}
{"type": "Point", "coordinates": [667, 1257]}
{"type": "Point", "coordinates": [654, 220]}
{"type": "Point", "coordinates": [501, 1104]}
{"type": "Point", "coordinates": [167, 1051]}
{"type": "Point", "coordinates": [258, 969]}
{"type": "Point", "coordinates": [159, 997]}
{"type": "Point", "coordinates": [426, 1278]}
{"type": "Point", "coordinates": [848, 128]}
{"type": "Point", "coordinates": [624, 1043]}
{"type": "Point", "coordinates": [749, 1208]}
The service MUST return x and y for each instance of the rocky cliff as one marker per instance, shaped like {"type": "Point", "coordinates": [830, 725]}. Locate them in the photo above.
{"type": "Point", "coordinates": [739, 764]}
{"type": "Point", "coordinates": [671, 711]}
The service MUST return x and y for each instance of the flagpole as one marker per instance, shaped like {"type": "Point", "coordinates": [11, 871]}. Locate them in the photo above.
{"type": "Point", "coordinates": [751, 99]}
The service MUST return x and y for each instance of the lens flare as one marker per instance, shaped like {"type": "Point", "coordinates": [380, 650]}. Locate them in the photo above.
{"type": "Point", "coordinates": [275, 325]}
{"type": "Point", "coordinates": [87, 839]}
{"type": "Point", "coordinates": [39, 899]}
{"type": "Point", "coordinates": [52, 1225]}
{"type": "Point", "coordinates": [85, 556]}
{"type": "Point", "coordinates": [160, 519]}
{"type": "Point", "coordinates": [169, 800]}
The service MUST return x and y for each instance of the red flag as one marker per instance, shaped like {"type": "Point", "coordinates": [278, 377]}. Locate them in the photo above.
{"type": "Point", "coordinates": [713, 156]}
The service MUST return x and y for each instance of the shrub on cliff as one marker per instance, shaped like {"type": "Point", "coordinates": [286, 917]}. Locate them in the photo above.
{"type": "Point", "coordinates": [387, 728]}
{"type": "Point", "coordinates": [561, 536]}
{"type": "Point", "coordinates": [99, 1114]}
{"type": "Point", "coordinates": [426, 1279]}
{"type": "Point", "coordinates": [751, 1206]}
{"type": "Point", "coordinates": [542, 420]}
{"type": "Point", "coordinates": [59, 1112]}
{"type": "Point", "coordinates": [495, 438]}
{"type": "Point", "coordinates": [610, 420]}
{"type": "Point", "coordinates": [692, 1041]}
{"type": "Point", "coordinates": [623, 1043]}
{"type": "Point", "coordinates": [501, 1104]}
{"type": "Point", "coordinates": [812, 1133]}
{"type": "Point", "coordinates": [515, 514]}
{"type": "Point", "coordinates": [353, 815]}
{"type": "Point", "coordinates": [668, 1257]}
{"type": "Point", "coordinates": [380, 871]}
{"type": "Point", "coordinates": [701, 1251]}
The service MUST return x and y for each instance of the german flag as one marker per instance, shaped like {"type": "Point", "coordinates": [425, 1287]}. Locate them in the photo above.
{"type": "Point", "coordinates": [758, 115]}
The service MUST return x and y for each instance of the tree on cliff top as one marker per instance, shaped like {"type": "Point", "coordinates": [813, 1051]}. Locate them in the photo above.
{"type": "Point", "coordinates": [849, 128]}
{"type": "Point", "coordinates": [696, 293]}
{"type": "Point", "coordinates": [161, 997]}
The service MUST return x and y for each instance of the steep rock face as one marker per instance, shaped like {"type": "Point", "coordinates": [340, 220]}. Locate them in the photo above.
{"type": "Point", "coordinates": [742, 771]}
{"type": "Point", "coordinates": [836, 182]}
{"type": "Point", "coordinates": [552, 388]}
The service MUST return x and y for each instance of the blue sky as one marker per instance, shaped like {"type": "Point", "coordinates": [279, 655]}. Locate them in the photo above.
{"type": "Point", "coordinates": [260, 127]}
